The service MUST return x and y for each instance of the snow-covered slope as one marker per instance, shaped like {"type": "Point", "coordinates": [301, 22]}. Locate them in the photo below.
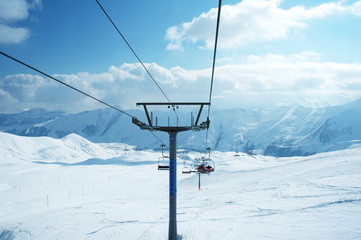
{"type": "Point", "coordinates": [71, 147]}
{"type": "Point", "coordinates": [81, 190]}
{"type": "Point", "coordinates": [104, 125]}
{"type": "Point", "coordinates": [277, 132]}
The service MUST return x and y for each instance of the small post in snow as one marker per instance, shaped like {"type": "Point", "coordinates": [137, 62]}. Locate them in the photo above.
{"type": "Point", "coordinates": [199, 181]}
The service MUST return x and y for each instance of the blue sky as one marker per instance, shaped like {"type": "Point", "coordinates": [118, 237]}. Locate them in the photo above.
{"type": "Point", "coordinates": [271, 52]}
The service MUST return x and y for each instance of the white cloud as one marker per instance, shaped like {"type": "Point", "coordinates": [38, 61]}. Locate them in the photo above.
{"type": "Point", "coordinates": [12, 12]}
{"type": "Point", "coordinates": [270, 80]}
{"type": "Point", "coordinates": [123, 86]}
{"type": "Point", "coordinates": [356, 8]}
{"type": "Point", "coordinates": [251, 21]}
{"type": "Point", "coordinates": [13, 34]}
{"type": "Point", "coordinates": [175, 39]}
{"type": "Point", "coordinates": [322, 10]}
{"type": "Point", "coordinates": [22, 87]}
{"type": "Point", "coordinates": [298, 79]}
{"type": "Point", "coordinates": [6, 98]}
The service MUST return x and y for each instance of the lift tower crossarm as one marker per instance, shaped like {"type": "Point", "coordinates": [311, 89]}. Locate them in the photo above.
{"type": "Point", "coordinates": [195, 127]}
{"type": "Point", "coordinates": [172, 103]}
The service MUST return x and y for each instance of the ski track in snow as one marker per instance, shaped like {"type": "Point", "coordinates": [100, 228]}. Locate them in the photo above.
{"type": "Point", "coordinates": [117, 193]}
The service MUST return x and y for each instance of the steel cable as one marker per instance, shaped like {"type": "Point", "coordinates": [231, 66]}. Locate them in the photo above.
{"type": "Point", "coordinates": [80, 91]}
{"type": "Point", "coordinates": [213, 66]}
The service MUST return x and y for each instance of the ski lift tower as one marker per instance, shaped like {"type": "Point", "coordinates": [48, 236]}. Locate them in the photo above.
{"type": "Point", "coordinates": [172, 131]}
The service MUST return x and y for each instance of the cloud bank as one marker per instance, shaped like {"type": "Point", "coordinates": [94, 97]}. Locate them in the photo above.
{"type": "Point", "coordinates": [262, 81]}
{"type": "Point", "coordinates": [251, 21]}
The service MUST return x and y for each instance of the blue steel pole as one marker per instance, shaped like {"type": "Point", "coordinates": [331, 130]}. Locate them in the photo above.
{"type": "Point", "coordinates": [172, 231]}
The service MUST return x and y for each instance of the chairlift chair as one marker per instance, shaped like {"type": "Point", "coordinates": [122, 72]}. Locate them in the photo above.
{"type": "Point", "coordinates": [206, 166]}
{"type": "Point", "coordinates": [201, 169]}
{"type": "Point", "coordinates": [210, 167]}
{"type": "Point", "coordinates": [163, 161]}
{"type": "Point", "coordinates": [186, 169]}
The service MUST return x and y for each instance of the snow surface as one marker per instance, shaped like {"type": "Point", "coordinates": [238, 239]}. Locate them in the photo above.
{"type": "Point", "coordinates": [71, 188]}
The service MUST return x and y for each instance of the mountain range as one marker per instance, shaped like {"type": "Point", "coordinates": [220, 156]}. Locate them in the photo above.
{"type": "Point", "coordinates": [282, 131]}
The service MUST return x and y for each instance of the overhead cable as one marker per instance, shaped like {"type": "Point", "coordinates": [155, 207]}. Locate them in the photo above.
{"type": "Point", "coordinates": [61, 82]}
{"type": "Point", "coordinates": [214, 54]}
{"type": "Point", "coordinates": [139, 60]}
{"type": "Point", "coordinates": [130, 47]}
{"type": "Point", "coordinates": [214, 63]}
{"type": "Point", "coordinates": [67, 85]}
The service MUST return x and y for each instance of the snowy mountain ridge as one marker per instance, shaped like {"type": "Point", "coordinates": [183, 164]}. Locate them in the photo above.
{"type": "Point", "coordinates": [281, 131]}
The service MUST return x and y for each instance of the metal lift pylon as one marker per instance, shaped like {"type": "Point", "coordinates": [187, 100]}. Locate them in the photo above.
{"type": "Point", "coordinates": [172, 131]}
